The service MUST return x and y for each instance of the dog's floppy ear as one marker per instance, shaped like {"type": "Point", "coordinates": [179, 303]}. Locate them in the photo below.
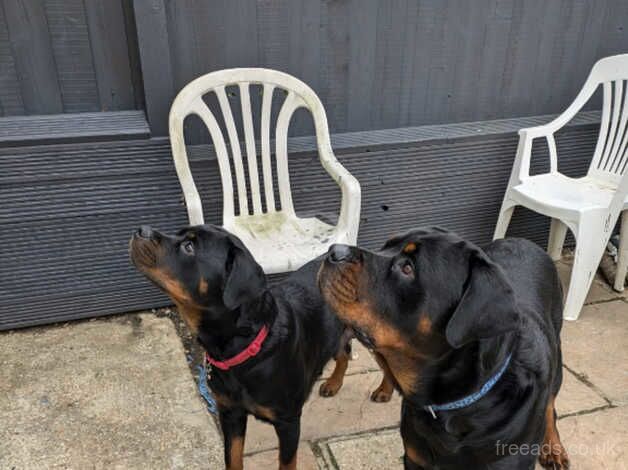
{"type": "Point", "coordinates": [487, 307]}
{"type": "Point", "coordinates": [245, 278]}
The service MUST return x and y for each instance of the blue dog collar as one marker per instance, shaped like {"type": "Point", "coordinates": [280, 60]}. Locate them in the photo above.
{"type": "Point", "coordinates": [470, 399]}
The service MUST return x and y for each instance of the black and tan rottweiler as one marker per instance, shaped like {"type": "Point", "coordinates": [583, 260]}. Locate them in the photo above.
{"type": "Point", "coordinates": [268, 345]}
{"type": "Point", "coordinates": [469, 337]}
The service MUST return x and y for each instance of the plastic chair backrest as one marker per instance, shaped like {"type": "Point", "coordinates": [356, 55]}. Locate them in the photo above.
{"type": "Point", "coordinates": [610, 157]}
{"type": "Point", "coordinates": [190, 101]}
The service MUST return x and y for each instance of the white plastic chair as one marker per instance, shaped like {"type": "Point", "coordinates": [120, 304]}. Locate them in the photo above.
{"type": "Point", "coordinates": [278, 239]}
{"type": "Point", "coordinates": [588, 206]}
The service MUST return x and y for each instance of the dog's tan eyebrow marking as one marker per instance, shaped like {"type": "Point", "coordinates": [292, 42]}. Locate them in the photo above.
{"type": "Point", "coordinates": [202, 286]}
{"type": "Point", "coordinates": [409, 248]}
{"type": "Point", "coordinates": [425, 324]}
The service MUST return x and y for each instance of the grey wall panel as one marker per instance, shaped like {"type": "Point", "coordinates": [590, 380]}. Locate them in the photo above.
{"type": "Point", "coordinates": [10, 94]}
{"type": "Point", "coordinates": [33, 55]}
{"type": "Point", "coordinates": [68, 210]}
{"type": "Point", "coordinates": [391, 64]}
{"type": "Point", "coordinates": [130, 28]}
{"type": "Point", "coordinates": [67, 56]}
{"type": "Point", "coordinates": [110, 51]}
{"type": "Point", "coordinates": [69, 36]}
{"type": "Point", "coordinates": [153, 42]}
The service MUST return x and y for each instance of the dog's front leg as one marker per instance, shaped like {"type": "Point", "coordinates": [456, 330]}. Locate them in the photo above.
{"type": "Point", "coordinates": [413, 457]}
{"type": "Point", "coordinates": [288, 432]}
{"type": "Point", "coordinates": [233, 424]}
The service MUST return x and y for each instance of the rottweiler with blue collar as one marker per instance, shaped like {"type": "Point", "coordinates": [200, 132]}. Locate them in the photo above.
{"type": "Point", "coordinates": [471, 339]}
{"type": "Point", "coordinates": [267, 346]}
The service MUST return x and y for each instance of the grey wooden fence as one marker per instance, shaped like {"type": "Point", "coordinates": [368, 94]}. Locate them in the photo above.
{"type": "Point", "coordinates": [380, 64]}
{"type": "Point", "coordinates": [76, 182]}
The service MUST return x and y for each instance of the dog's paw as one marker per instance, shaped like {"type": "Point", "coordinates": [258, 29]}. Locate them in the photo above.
{"type": "Point", "coordinates": [554, 456]}
{"type": "Point", "coordinates": [329, 388]}
{"type": "Point", "coordinates": [380, 395]}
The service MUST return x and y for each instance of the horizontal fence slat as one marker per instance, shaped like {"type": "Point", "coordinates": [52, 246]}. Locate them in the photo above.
{"type": "Point", "coordinates": [65, 128]}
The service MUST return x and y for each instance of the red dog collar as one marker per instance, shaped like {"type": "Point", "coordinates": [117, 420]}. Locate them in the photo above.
{"type": "Point", "coordinates": [250, 351]}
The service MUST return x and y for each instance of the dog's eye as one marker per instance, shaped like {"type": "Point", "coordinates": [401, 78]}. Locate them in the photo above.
{"type": "Point", "coordinates": [187, 247]}
{"type": "Point", "coordinates": [407, 269]}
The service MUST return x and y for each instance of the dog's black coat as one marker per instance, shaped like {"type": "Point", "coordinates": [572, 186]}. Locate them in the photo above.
{"type": "Point", "coordinates": [229, 309]}
{"type": "Point", "coordinates": [480, 306]}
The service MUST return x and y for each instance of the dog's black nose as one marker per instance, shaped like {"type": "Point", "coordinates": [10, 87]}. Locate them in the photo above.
{"type": "Point", "coordinates": [341, 254]}
{"type": "Point", "coordinates": [145, 231]}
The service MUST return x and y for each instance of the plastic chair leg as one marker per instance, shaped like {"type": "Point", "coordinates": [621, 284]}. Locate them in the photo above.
{"type": "Point", "coordinates": [558, 231]}
{"type": "Point", "coordinates": [622, 261]}
{"type": "Point", "coordinates": [590, 246]}
{"type": "Point", "coordinates": [503, 221]}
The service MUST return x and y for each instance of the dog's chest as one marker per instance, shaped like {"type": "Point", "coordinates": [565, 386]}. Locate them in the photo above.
{"type": "Point", "coordinates": [234, 394]}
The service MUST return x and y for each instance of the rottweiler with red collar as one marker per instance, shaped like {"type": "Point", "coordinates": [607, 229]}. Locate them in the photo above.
{"type": "Point", "coordinates": [267, 345]}
{"type": "Point", "coordinates": [471, 339]}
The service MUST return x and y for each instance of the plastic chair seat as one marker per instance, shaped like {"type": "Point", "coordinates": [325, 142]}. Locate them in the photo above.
{"type": "Point", "coordinates": [281, 243]}
{"type": "Point", "coordinates": [555, 193]}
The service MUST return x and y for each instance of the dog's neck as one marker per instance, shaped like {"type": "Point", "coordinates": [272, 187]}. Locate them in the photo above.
{"type": "Point", "coordinates": [462, 372]}
{"type": "Point", "coordinates": [225, 334]}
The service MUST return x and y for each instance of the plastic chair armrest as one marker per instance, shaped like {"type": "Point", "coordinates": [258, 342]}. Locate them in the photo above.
{"type": "Point", "coordinates": [526, 136]}
{"type": "Point", "coordinates": [349, 218]}
{"type": "Point", "coordinates": [537, 131]}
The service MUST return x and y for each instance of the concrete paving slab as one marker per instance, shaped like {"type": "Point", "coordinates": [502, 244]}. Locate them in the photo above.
{"type": "Point", "coordinates": [102, 394]}
{"type": "Point", "coordinates": [306, 459]}
{"type": "Point", "coordinates": [596, 347]}
{"type": "Point", "coordinates": [376, 451]}
{"type": "Point", "coordinates": [599, 290]}
{"type": "Point", "coordinates": [597, 441]}
{"type": "Point", "coordinates": [379, 450]}
{"type": "Point", "coordinates": [594, 441]}
{"type": "Point", "coordinates": [348, 412]}
{"type": "Point", "coordinates": [575, 396]}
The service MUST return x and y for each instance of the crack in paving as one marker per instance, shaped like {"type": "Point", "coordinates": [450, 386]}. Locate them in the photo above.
{"type": "Point", "coordinates": [604, 301]}
{"type": "Point", "coordinates": [356, 434]}
{"type": "Point", "coordinates": [587, 412]}
{"type": "Point", "coordinates": [585, 380]}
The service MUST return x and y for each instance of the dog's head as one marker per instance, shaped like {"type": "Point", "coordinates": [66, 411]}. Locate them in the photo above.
{"type": "Point", "coordinates": [205, 270]}
{"type": "Point", "coordinates": [423, 294]}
